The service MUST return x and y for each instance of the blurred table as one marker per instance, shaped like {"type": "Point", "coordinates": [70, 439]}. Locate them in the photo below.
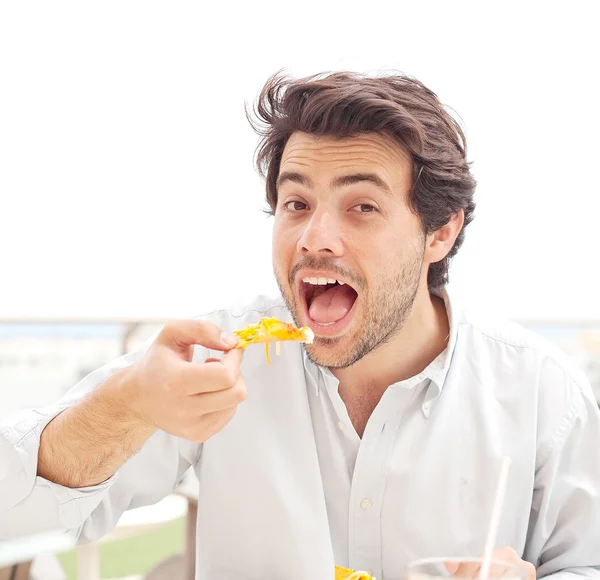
{"type": "Point", "coordinates": [16, 555]}
{"type": "Point", "coordinates": [131, 523]}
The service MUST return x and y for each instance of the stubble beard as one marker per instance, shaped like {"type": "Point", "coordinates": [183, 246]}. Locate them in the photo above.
{"type": "Point", "coordinates": [387, 308]}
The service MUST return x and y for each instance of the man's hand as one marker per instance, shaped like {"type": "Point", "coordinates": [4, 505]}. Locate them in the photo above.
{"type": "Point", "coordinates": [506, 554]}
{"type": "Point", "coordinates": [169, 392]}
{"type": "Point", "coordinates": [86, 444]}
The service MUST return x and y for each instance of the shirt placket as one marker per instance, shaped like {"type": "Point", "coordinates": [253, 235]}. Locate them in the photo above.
{"type": "Point", "coordinates": [369, 481]}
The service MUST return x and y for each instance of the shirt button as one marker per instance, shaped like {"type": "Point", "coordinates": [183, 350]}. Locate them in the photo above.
{"type": "Point", "coordinates": [366, 503]}
{"type": "Point", "coordinates": [342, 426]}
{"type": "Point", "coordinates": [426, 407]}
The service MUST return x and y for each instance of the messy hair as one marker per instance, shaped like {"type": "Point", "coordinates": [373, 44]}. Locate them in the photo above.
{"type": "Point", "coordinates": [346, 104]}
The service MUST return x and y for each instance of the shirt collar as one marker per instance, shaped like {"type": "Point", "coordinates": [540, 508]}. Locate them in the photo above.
{"type": "Point", "coordinates": [441, 365]}
{"type": "Point", "coordinates": [436, 372]}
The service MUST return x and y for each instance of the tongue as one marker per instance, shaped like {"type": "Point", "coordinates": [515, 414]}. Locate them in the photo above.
{"type": "Point", "coordinates": [333, 304]}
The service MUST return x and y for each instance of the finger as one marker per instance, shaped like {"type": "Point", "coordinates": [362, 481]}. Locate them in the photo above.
{"type": "Point", "coordinates": [194, 379]}
{"type": "Point", "coordinates": [505, 554]}
{"type": "Point", "coordinates": [232, 361]}
{"type": "Point", "coordinates": [451, 567]}
{"type": "Point", "coordinates": [500, 570]}
{"type": "Point", "coordinates": [208, 425]}
{"type": "Point", "coordinates": [237, 353]}
{"type": "Point", "coordinates": [213, 422]}
{"type": "Point", "coordinates": [181, 334]}
{"type": "Point", "coordinates": [509, 564]}
{"type": "Point", "coordinates": [530, 570]}
{"type": "Point", "coordinates": [220, 400]}
{"type": "Point", "coordinates": [505, 562]}
{"type": "Point", "coordinates": [467, 570]}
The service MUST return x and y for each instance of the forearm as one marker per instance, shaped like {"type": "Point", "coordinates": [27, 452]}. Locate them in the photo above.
{"type": "Point", "coordinates": [88, 442]}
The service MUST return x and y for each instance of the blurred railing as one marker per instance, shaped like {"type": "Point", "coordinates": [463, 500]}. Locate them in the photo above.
{"type": "Point", "coordinates": [41, 359]}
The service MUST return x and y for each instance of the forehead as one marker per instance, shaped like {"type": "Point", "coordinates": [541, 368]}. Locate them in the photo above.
{"type": "Point", "coordinates": [368, 151]}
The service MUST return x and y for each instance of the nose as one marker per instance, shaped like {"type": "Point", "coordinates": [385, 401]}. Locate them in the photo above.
{"type": "Point", "coordinates": [321, 234]}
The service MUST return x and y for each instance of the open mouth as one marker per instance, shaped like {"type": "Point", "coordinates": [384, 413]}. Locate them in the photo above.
{"type": "Point", "coordinates": [329, 303]}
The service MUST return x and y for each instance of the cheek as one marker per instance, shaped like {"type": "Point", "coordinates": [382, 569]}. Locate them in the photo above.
{"type": "Point", "coordinates": [383, 253]}
{"type": "Point", "coordinates": [283, 245]}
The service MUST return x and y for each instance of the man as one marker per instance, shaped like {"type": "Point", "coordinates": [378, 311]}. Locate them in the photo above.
{"type": "Point", "coordinates": [379, 443]}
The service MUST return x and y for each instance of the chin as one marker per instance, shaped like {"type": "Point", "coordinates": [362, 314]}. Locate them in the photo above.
{"type": "Point", "coordinates": [330, 352]}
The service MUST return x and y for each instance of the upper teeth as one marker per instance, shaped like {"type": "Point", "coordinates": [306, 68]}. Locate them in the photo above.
{"type": "Point", "coordinates": [321, 281]}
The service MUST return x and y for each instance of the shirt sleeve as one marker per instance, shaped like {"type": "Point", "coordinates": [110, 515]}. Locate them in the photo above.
{"type": "Point", "coordinates": [30, 504]}
{"type": "Point", "coordinates": [564, 526]}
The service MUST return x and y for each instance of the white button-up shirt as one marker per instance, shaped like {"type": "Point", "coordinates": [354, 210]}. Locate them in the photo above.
{"type": "Point", "coordinates": [288, 489]}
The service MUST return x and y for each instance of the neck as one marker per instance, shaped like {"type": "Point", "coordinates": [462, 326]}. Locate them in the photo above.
{"type": "Point", "coordinates": [422, 338]}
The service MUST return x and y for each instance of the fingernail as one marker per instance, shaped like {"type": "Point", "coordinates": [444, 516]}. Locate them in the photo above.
{"type": "Point", "coordinates": [229, 339]}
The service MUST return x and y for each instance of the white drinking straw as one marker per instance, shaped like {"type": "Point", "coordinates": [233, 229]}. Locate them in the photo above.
{"type": "Point", "coordinates": [496, 511]}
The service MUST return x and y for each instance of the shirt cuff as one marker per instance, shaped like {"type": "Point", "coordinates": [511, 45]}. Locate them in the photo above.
{"type": "Point", "coordinates": [76, 504]}
{"type": "Point", "coordinates": [19, 448]}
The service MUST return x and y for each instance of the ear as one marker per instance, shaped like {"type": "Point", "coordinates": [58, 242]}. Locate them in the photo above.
{"type": "Point", "coordinates": [440, 242]}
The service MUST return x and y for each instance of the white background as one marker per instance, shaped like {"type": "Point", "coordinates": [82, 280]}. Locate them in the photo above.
{"type": "Point", "coordinates": [126, 178]}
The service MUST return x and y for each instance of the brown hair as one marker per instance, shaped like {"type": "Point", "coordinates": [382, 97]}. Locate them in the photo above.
{"type": "Point", "coordinates": [345, 104]}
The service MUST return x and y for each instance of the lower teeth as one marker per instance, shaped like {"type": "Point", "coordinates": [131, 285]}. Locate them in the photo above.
{"type": "Point", "coordinates": [325, 323]}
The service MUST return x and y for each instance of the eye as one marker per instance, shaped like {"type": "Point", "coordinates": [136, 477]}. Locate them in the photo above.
{"type": "Point", "coordinates": [295, 205]}
{"type": "Point", "coordinates": [364, 208]}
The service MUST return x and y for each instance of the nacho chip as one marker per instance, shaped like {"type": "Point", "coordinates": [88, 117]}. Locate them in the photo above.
{"type": "Point", "coordinates": [347, 574]}
{"type": "Point", "coordinates": [272, 330]}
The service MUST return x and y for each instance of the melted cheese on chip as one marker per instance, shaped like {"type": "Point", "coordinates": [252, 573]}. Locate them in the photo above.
{"type": "Point", "coordinates": [347, 574]}
{"type": "Point", "coordinates": [272, 330]}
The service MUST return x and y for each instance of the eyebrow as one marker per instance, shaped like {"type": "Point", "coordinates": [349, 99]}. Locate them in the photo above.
{"type": "Point", "coordinates": [294, 177]}
{"type": "Point", "coordinates": [373, 178]}
{"type": "Point", "coordinates": [337, 182]}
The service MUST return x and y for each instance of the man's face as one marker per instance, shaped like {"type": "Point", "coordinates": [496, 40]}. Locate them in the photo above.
{"type": "Point", "coordinates": [342, 217]}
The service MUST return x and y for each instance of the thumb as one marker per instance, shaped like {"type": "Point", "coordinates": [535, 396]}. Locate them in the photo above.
{"type": "Point", "coordinates": [179, 335]}
{"type": "Point", "coordinates": [452, 567]}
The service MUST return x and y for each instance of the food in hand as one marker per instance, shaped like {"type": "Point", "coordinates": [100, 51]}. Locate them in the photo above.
{"type": "Point", "coordinates": [347, 574]}
{"type": "Point", "coordinates": [272, 330]}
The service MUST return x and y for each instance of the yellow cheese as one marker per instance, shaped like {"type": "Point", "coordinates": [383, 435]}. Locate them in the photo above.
{"type": "Point", "coordinates": [347, 574]}
{"type": "Point", "coordinates": [272, 330]}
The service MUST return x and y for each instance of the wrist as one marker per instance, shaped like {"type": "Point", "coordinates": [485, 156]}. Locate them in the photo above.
{"type": "Point", "coordinates": [122, 392]}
